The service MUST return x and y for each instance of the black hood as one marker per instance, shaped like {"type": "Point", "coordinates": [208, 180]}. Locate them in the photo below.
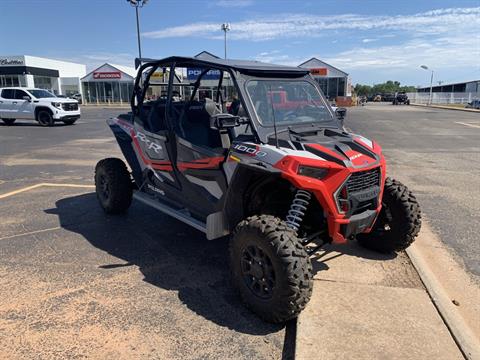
{"type": "Point", "coordinates": [328, 143]}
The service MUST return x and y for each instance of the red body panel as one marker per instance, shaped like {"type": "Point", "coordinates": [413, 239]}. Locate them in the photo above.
{"type": "Point", "coordinates": [325, 188]}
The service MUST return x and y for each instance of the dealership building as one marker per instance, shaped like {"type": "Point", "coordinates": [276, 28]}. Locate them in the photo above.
{"type": "Point", "coordinates": [108, 83]}
{"type": "Point", "coordinates": [333, 81]}
{"type": "Point", "coordinates": [59, 77]}
{"type": "Point", "coordinates": [112, 83]}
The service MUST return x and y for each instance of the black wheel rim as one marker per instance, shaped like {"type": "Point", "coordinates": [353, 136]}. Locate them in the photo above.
{"type": "Point", "coordinates": [258, 272]}
{"type": "Point", "coordinates": [43, 118]}
{"type": "Point", "coordinates": [104, 189]}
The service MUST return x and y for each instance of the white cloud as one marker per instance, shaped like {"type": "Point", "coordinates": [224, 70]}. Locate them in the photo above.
{"type": "Point", "coordinates": [439, 53]}
{"type": "Point", "coordinates": [306, 25]}
{"type": "Point", "coordinates": [368, 40]}
{"type": "Point", "coordinates": [233, 3]}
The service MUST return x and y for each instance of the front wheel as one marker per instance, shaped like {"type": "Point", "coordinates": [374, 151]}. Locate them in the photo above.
{"type": "Point", "coordinates": [113, 185]}
{"type": "Point", "coordinates": [270, 268]}
{"type": "Point", "coordinates": [398, 223]}
{"type": "Point", "coordinates": [45, 118]}
{"type": "Point", "coordinates": [8, 121]}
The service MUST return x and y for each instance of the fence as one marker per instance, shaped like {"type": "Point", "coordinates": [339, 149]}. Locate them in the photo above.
{"type": "Point", "coordinates": [443, 98]}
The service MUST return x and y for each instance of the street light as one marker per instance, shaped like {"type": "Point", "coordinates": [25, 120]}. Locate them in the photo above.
{"type": "Point", "coordinates": [425, 67]}
{"type": "Point", "coordinates": [138, 4]}
{"type": "Point", "coordinates": [225, 27]}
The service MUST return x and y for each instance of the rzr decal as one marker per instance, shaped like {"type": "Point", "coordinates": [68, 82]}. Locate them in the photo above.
{"type": "Point", "coordinates": [150, 144]}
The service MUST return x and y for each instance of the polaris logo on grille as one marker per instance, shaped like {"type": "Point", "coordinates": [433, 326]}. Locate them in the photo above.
{"type": "Point", "coordinates": [356, 156]}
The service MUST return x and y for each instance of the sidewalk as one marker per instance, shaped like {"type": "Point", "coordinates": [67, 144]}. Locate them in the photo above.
{"type": "Point", "coordinates": [370, 306]}
{"type": "Point", "coordinates": [447, 107]}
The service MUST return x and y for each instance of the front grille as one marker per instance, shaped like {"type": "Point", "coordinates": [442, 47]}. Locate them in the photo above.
{"type": "Point", "coordinates": [70, 106]}
{"type": "Point", "coordinates": [363, 180]}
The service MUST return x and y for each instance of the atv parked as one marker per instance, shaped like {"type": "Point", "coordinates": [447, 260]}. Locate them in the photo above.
{"type": "Point", "coordinates": [278, 174]}
{"type": "Point", "coordinates": [401, 98]}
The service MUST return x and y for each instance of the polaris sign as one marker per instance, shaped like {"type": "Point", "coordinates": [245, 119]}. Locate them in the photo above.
{"type": "Point", "coordinates": [194, 73]}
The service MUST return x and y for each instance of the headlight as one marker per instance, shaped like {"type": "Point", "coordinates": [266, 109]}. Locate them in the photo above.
{"type": "Point", "coordinates": [313, 172]}
{"type": "Point", "coordinates": [57, 105]}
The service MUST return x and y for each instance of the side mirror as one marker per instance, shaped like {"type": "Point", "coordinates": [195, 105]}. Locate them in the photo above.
{"type": "Point", "coordinates": [224, 121]}
{"type": "Point", "coordinates": [28, 98]}
{"type": "Point", "coordinates": [341, 113]}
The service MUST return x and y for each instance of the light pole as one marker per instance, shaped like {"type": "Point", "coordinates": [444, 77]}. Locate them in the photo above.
{"type": "Point", "coordinates": [425, 67]}
{"type": "Point", "coordinates": [138, 4]}
{"type": "Point", "coordinates": [225, 27]}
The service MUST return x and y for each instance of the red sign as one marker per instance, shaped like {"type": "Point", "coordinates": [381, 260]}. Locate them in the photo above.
{"type": "Point", "coordinates": [319, 71]}
{"type": "Point", "coordinates": [107, 75]}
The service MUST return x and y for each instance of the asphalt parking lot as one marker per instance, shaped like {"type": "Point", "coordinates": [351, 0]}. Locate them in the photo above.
{"type": "Point", "coordinates": [77, 283]}
{"type": "Point", "coordinates": [436, 153]}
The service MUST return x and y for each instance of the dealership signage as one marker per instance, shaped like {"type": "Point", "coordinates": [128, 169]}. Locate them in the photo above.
{"type": "Point", "coordinates": [10, 61]}
{"type": "Point", "coordinates": [194, 73]}
{"type": "Point", "coordinates": [319, 71]}
{"type": "Point", "coordinates": [107, 75]}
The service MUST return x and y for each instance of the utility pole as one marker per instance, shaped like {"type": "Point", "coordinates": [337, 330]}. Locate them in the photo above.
{"type": "Point", "coordinates": [138, 4]}
{"type": "Point", "coordinates": [425, 67]}
{"type": "Point", "coordinates": [225, 27]}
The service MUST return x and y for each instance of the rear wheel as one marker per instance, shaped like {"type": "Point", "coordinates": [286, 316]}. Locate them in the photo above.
{"type": "Point", "coordinates": [270, 268]}
{"type": "Point", "coordinates": [8, 121]}
{"type": "Point", "coordinates": [69, 121]}
{"type": "Point", "coordinates": [45, 118]}
{"type": "Point", "coordinates": [113, 185]}
{"type": "Point", "coordinates": [398, 223]}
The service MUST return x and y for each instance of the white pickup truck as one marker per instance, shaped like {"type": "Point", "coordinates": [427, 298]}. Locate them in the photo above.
{"type": "Point", "coordinates": [36, 104]}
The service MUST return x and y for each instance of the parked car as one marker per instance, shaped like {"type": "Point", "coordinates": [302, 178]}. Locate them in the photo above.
{"type": "Point", "coordinates": [77, 97]}
{"type": "Point", "coordinates": [36, 104]}
{"type": "Point", "coordinates": [475, 104]}
{"type": "Point", "coordinates": [279, 180]}
{"type": "Point", "coordinates": [388, 97]}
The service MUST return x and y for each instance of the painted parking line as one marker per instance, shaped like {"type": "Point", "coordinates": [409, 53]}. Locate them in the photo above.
{"type": "Point", "coordinates": [30, 233]}
{"type": "Point", "coordinates": [28, 188]}
{"type": "Point", "coordinates": [468, 124]}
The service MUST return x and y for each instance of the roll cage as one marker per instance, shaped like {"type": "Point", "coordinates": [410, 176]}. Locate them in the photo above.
{"type": "Point", "coordinates": [241, 72]}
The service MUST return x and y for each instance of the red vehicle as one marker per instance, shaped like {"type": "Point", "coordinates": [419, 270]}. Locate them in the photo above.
{"type": "Point", "coordinates": [278, 174]}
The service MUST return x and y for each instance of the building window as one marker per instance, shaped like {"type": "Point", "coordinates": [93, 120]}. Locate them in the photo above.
{"type": "Point", "coordinates": [11, 80]}
{"type": "Point", "coordinates": [43, 82]}
{"type": "Point", "coordinates": [107, 91]}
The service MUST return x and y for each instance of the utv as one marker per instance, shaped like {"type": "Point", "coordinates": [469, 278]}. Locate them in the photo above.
{"type": "Point", "coordinates": [277, 173]}
{"type": "Point", "coordinates": [401, 98]}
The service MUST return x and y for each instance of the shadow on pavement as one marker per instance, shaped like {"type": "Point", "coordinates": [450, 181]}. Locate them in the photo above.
{"type": "Point", "coordinates": [169, 254]}
{"type": "Point", "coordinates": [329, 252]}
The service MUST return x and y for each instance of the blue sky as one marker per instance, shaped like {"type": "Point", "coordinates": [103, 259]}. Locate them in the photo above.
{"type": "Point", "coordinates": [373, 41]}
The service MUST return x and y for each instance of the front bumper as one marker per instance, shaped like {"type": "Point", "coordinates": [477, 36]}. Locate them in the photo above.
{"type": "Point", "coordinates": [69, 117]}
{"type": "Point", "coordinates": [64, 115]}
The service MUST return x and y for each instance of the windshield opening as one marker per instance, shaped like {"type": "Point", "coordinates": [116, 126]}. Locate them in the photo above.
{"type": "Point", "coordinates": [38, 93]}
{"type": "Point", "coordinates": [288, 102]}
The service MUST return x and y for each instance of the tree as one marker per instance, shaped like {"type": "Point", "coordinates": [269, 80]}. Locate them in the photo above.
{"type": "Point", "coordinates": [383, 88]}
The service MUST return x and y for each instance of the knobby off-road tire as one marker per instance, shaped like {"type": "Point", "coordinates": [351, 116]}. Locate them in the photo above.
{"type": "Point", "coordinates": [9, 121]}
{"type": "Point", "coordinates": [113, 185]}
{"type": "Point", "coordinates": [398, 223]}
{"type": "Point", "coordinates": [270, 268]}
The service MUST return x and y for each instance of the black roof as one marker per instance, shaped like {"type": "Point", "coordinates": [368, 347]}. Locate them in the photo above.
{"type": "Point", "coordinates": [243, 66]}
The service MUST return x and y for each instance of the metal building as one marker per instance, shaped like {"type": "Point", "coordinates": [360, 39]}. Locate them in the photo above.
{"type": "Point", "coordinates": [333, 81]}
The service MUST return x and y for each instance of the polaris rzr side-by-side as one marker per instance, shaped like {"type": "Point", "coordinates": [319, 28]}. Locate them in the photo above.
{"type": "Point", "coordinates": [254, 152]}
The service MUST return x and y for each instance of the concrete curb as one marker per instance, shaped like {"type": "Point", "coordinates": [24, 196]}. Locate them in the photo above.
{"type": "Point", "coordinates": [447, 108]}
{"type": "Point", "coordinates": [462, 334]}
